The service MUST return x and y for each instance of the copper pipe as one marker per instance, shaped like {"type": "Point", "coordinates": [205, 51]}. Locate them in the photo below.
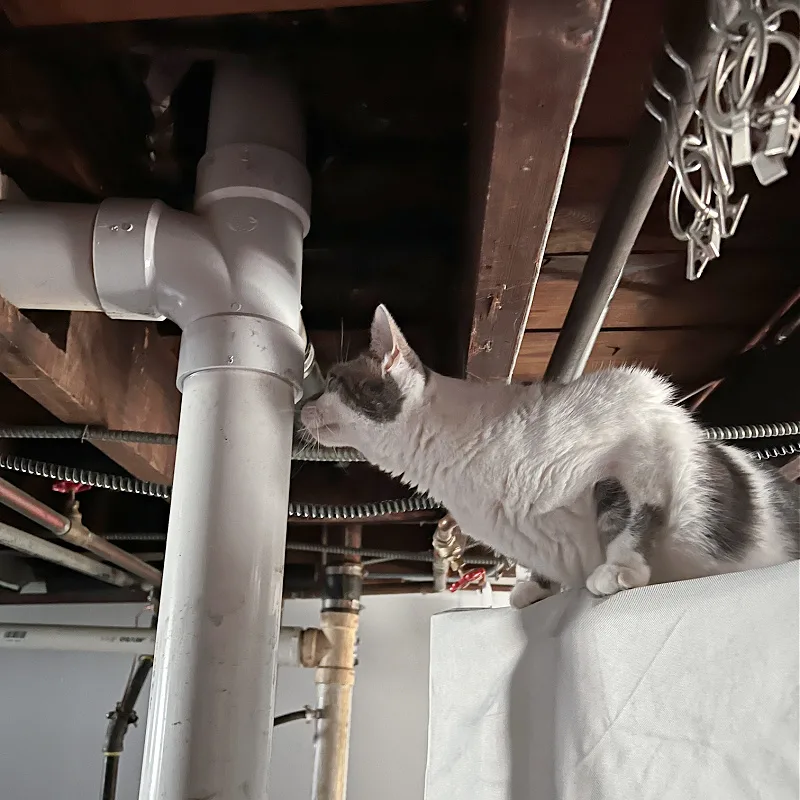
{"type": "Point", "coordinates": [102, 548]}
{"type": "Point", "coordinates": [32, 509]}
{"type": "Point", "coordinates": [74, 532]}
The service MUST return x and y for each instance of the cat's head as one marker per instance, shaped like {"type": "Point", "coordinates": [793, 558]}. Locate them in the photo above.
{"type": "Point", "coordinates": [368, 396]}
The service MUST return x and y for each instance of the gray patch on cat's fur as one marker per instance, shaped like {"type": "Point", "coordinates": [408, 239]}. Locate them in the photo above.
{"type": "Point", "coordinates": [732, 511]}
{"type": "Point", "coordinates": [785, 499]}
{"type": "Point", "coordinates": [361, 384]}
{"type": "Point", "coordinates": [541, 580]}
{"type": "Point", "coordinates": [615, 516]}
{"type": "Point", "coordinates": [613, 509]}
{"type": "Point", "coordinates": [645, 526]}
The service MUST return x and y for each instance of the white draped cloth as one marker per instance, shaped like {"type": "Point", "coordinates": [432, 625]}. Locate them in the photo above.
{"type": "Point", "coordinates": [681, 691]}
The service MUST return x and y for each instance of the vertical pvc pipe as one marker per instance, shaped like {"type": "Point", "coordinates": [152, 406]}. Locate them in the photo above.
{"type": "Point", "coordinates": [240, 371]}
{"type": "Point", "coordinates": [211, 709]}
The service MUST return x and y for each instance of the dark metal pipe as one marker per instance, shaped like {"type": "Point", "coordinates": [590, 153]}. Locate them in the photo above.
{"type": "Point", "coordinates": [39, 548]}
{"type": "Point", "coordinates": [643, 171]}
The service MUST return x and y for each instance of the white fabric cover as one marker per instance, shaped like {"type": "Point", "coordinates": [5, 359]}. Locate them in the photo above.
{"type": "Point", "coordinates": [673, 692]}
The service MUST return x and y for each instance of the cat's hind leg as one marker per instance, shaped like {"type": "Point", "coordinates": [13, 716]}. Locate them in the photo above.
{"type": "Point", "coordinates": [628, 535]}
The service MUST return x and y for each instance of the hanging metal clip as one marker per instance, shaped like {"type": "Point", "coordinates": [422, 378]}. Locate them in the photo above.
{"type": "Point", "coordinates": [768, 169]}
{"type": "Point", "coordinates": [741, 142]}
{"type": "Point", "coordinates": [705, 238]}
{"type": "Point", "coordinates": [783, 131]}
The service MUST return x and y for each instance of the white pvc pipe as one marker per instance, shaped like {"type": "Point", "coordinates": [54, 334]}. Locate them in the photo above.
{"type": "Point", "coordinates": [46, 255]}
{"type": "Point", "coordinates": [289, 646]}
{"type": "Point", "coordinates": [240, 370]}
{"type": "Point", "coordinates": [212, 702]}
{"type": "Point", "coordinates": [138, 641]}
{"type": "Point", "coordinates": [77, 638]}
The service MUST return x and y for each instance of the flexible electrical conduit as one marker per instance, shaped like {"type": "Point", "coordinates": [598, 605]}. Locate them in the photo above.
{"type": "Point", "coordinates": [303, 451]}
{"type": "Point", "coordinates": [305, 511]}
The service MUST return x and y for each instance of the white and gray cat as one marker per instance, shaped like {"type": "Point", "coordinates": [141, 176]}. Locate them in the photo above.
{"type": "Point", "coordinates": [603, 482]}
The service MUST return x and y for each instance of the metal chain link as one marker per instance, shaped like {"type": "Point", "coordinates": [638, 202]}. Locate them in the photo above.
{"type": "Point", "coordinates": [735, 124]}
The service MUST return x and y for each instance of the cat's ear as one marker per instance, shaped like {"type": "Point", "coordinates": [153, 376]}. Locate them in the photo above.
{"type": "Point", "coordinates": [388, 342]}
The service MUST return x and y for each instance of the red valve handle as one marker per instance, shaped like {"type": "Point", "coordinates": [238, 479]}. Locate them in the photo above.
{"type": "Point", "coordinates": [68, 487]}
{"type": "Point", "coordinates": [473, 576]}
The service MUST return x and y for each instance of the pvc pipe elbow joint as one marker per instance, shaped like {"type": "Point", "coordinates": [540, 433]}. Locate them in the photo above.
{"type": "Point", "coordinates": [229, 278]}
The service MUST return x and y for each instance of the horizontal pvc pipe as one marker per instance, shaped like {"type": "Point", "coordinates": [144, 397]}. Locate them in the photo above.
{"type": "Point", "coordinates": [46, 256]}
{"type": "Point", "coordinates": [34, 546]}
{"type": "Point", "coordinates": [301, 647]}
{"type": "Point", "coordinates": [138, 641]}
{"type": "Point", "coordinates": [78, 638]}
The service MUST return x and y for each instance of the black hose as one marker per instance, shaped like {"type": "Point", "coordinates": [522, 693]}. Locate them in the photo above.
{"type": "Point", "coordinates": [121, 718]}
{"type": "Point", "coordinates": [295, 716]}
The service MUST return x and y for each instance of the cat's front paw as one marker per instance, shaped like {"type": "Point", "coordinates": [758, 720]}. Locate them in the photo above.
{"type": "Point", "coordinates": [609, 579]}
{"type": "Point", "coordinates": [526, 593]}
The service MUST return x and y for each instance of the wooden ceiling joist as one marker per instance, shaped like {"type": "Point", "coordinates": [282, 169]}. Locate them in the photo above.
{"type": "Point", "coordinates": [533, 65]}
{"type": "Point", "coordinates": [24, 13]}
{"type": "Point", "coordinates": [112, 373]}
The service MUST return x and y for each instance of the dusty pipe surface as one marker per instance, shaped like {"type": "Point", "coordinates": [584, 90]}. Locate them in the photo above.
{"type": "Point", "coordinates": [334, 678]}
{"type": "Point", "coordinates": [216, 656]}
{"type": "Point", "coordinates": [34, 546]}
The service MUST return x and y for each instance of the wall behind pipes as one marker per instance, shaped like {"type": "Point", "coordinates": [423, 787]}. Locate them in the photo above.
{"type": "Point", "coordinates": [53, 705]}
{"type": "Point", "coordinates": [53, 710]}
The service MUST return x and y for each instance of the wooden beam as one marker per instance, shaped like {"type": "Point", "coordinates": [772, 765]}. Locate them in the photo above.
{"type": "Point", "coordinates": [533, 64]}
{"type": "Point", "coordinates": [618, 85]}
{"type": "Point", "coordinates": [738, 290]}
{"type": "Point", "coordinates": [687, 355]}
{"type": "Point", "coordinates": [24, 13]}
{"type": "Point", "coordinates": [112, 373]}
{"type": "Point", "coordinates": [592, 172]}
